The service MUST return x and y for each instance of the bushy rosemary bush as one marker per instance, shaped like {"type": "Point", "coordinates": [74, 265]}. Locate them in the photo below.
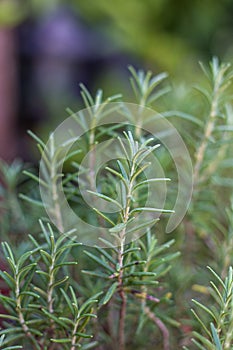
{"type": "Point", "coordinates": [125, 292]}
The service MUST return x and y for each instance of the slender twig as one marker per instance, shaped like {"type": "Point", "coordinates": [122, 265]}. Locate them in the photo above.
{"type": "Point", "coordinates": [74, 337]}
{"type": "Point", "coordinates": [50, 299]}
{"type": "Point", "coordinates": [214, 110]}
{"type": "Point", "coordinates": [50, 287]}
{"type": "Point", "coordinates": [122, 236]}
{"type": "Point", "coordinates": [161, 326]}
{"type": "Point", "coordinates": [207, 134]}
{"type": "Point", "coordinates": [122, 315]}
{"type": "Point", "coordinates": [121, 327]}
{"type": "Point", "coordinates": [22, 320]}
{"type": "Point", "coordinates": [56, 208]}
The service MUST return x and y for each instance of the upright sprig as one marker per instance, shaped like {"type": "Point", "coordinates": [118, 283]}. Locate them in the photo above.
{"type": "Point", "coordinates": [212, 147]}
{"type": "Point", "coordinates": [219, 334]}
{"type": "Point", "coordinates": [13, 220]}
{"type": "Point", "coordinates": [219, 77]}
{"type": "Point", "coordinates": [2, 338]}
{"type": "Point", "coordinates": [121, 267]}
{"type": "Point", "coordinates": [157, 259]}
{"type": "Point", "coordinates": [43, 309]}
{"type": "Point", "coordinates": [18, 280]}
{"type": "Point", "coordinates": [51, 178]}
{"type": "Point", "coordinates": [144, 86]}
{"type": "Point", "coordinates": [96, 107]}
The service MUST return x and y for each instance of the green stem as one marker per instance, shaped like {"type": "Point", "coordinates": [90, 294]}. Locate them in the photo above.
{"type": "Point", "coordinates": [54, 208]}
{"type": "Point", "coordinates": [207, 134]}
{"type": "Point", "coordinates": [22, 320]}
{"type": "Point", "coordinates": [126, 214]}
{"type": "Point", "coordinates": [161, 326]}
{"type": "Point", "coordinates": [74, 337]}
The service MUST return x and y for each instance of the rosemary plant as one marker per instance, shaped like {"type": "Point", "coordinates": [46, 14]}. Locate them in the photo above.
{"type": "Point", "coordinates": [10, 207]}
{"type": "Point", "coordinates": [134, 286]}
{"type": "Point", "coordinates": [219, 334]}
{"type": "Point", "coordinates": [124, 268]}
{"type": "Point", "coordinates": [43, 309]}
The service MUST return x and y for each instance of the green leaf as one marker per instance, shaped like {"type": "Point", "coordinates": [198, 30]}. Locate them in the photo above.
{"type": "Point", "coordinates": [46, 255]}
{"type": "Point", "coordinates": [107, 256]}
{"type": "Point", "coordinates": [68, 300]}
{"type": "Point", "coordinates": [109, 293]}
{"type": "Point", "coordinates": [130, 250]}
{"type": "Point", "coordinates": [54, 318]}
{"type": "Point", "coordinates": [83, 335]}
{"type": "Point", "coordinates": [67, 263]}
{"type": "Point", "coordinates": [8, 300]}
{"type": "Point", "coordinates": [41, 291]}
{"type": "Point", "coordinates": [13, 339]}
{"type": "Point", "coordinates": [134, 263]}
{"type": "Point", "coordinates": [120, 176]}
{"type": "Point", "coordinates": [142, 283]}
{"type": "Point", "coordinates": [36, 138]}
{"type": "Point", "coordinates": [215, 337]}
{"type": "Point", "coordinates": [11, 330]}
{"type": "Point", "coordinates": [217, 277]}
{"type": "Point", "coordinates": [204, 340]}
{"type": "Point", "coordinates": [146, 182]}
{"type": "Point", "coordinates": [199, 345]}
{"type": "Point", "coordinates": [62, 280]}
{"type": "Point", "coordinates": [95, 274]}
{"type": "Point", "coordinates": [30, 294]}
{"type": "Point", "coordinates": [13, 347]}
{"type": "Point", "coordinates": [32, 201]}
{"type": "Point", "coordinates": [147, 224]}
{"type": "Point", "coordinates": [108, 243]}
{"type": "Point", "coordinates": [23, 271]}
{"type": "Point", "coordinates": [8, 253]}
{"type": "Point", "coordinates": [87, 304]}
{"type": "Point", "coordinates": [24, 257]}
{"type": "Point", "coordinates": [61, 341]}
{"type": "Point", "coordinates": [117, 228]}
{"type": "Point", "coordinates": [10, 317]}
{"type": "Point", "coordinates": [103, 216]}
{"type": "Point", "coordinates": [36, 178]}
{"type": "Point", "coordinates": [201, 322]}
{"type": "Point", "coordinates": [206, 309]}
{"type": "Point", "coordinates": [99, 261]}
{"type": "Point", "coordinates": [8, 279]}
{"type": "Point", "coordinates": [152, 210]}
{"type": "Point", "coordinates": [123, 171]}
{"type": "Point", "coordinates": [140, 274]}
{"type": "Point", "coordinates": [108, 199]}
{"type": "Point", "coordinates": [67, 320]}
{"type": "Point", "coordinates": [139, 171]}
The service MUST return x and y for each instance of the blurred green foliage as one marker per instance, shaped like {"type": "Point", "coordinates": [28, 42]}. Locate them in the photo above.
{"type": "Point", "coordinates": [11, 13]}
{"type": "Point", "coordinates": [170, 34]}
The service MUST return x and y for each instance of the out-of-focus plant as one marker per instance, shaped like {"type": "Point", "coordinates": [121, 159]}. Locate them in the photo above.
{"type": "Point", "coordinates": [174, 39]}
{"type": "Point", "coordinates": [43, 309]}
{"type": "Point", "coordinates": [218, 335]}
{"type": "Point", "coordinates": [17, 217]}
{"type": "Point", "coordinates": [12, 216]}
{"type": "Point", "coordinates": [11, 13]}
{"type": "Point", "coordinates": [131, 273]}
{"type": "Point", "coordinates": [129, 287]}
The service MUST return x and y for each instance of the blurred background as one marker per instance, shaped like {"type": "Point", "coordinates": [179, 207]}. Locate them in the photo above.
{"type": "Point", "coordinates": [47, 47]}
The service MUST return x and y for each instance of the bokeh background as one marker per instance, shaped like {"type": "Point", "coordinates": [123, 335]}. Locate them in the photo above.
{"type": "Point", "coordinates": [47, 47]}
